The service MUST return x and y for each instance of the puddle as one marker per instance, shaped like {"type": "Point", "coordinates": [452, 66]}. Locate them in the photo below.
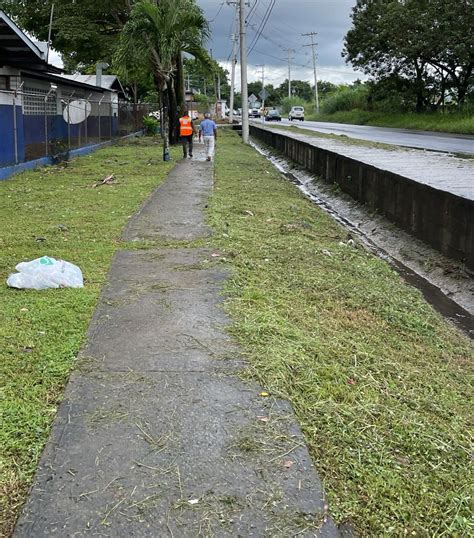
{"type": "Point", "coordinates": [386, 241]}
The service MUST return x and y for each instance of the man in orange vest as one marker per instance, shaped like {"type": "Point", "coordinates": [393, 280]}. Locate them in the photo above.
{"type": "Point", "coordinates": [186, 132]}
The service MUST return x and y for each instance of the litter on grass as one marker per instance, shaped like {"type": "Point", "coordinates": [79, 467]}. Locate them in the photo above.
{"type": "Point", "coordinates": [107, 180]}
{"type": "Point", "coordinates": [44, 273]}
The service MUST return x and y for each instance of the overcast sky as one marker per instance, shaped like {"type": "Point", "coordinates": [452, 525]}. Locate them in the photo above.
{"type": "Point", "coordinates": [288, 20]}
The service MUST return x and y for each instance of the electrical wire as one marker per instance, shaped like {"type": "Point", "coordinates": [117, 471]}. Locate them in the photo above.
{"type": "Point", "coordinates": [267, 15]}
{"type": "Point", "coordinates": [252, 12]}
{"type": "Point", "coordinates": [218, 12]}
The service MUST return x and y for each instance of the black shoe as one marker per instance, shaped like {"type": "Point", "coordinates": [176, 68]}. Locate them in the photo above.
{"type": "Point", "coordinates": [190, 155]}
{"type": "Point", "coordinates": [184, 156]}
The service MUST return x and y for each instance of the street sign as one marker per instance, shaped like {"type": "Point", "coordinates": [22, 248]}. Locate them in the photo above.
{"type": "Point", "coordinates": [263, 94]}
{"type": "Point", "coordinates": [252, 98]}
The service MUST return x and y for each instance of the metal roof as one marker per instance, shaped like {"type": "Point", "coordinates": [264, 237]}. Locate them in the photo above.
{"type": "Point", "coordinates": [109, 82]}
{"type": "Point", "coordinates": [18, 50]}
{"type": "Point", "coordinates": [60, 79]}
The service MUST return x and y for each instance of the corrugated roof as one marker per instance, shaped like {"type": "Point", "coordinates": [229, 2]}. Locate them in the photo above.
{"type": "Point", "coordinates": [18, 50]}
{"type": "Point", "coordinates": [109, 82]}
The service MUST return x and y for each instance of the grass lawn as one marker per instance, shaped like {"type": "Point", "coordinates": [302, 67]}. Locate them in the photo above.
{"type": "Point", "coordinates": [381, 385]}
{"type": "Point", "coordinates": [379, 382]}
{"type": "Point", "coordinates": [54, 211]}
{"type": "Point", "coordinates": [447, 123]}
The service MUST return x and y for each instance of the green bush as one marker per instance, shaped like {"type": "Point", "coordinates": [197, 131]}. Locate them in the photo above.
{"type": "Point", "coordinates": [346, 99]}
{"type": "Point", "coordinates": [288, 102]}
{"type": "Point", "coordinates": [151, 125]}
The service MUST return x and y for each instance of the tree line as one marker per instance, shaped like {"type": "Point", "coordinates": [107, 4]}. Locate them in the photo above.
{"type": "Point", "coordinates": [420, 49]}
{"type": "Point", "coordinates": [419, 54]}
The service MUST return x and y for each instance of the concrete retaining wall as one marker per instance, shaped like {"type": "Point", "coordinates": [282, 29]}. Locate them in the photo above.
{"type": "Point", "coordinates": [441, 219]}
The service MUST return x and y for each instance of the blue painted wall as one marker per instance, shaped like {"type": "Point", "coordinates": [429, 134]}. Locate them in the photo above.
{"type": "Point", "coordinates": [31, 133]}
{"type": "Point", "coordinates": [7, 140]}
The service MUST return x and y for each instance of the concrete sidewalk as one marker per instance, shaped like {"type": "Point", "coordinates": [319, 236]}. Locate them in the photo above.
{"type": "Point", "coordinates": [157, 434]}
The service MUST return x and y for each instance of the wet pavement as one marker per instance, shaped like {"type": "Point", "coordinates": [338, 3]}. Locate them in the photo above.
{"type": "Point", "coordinates": [158, 435]}
{"type": "Point", "coordinates": [445, 142]}
{"type": "Point", "coordinates": [441, 171]}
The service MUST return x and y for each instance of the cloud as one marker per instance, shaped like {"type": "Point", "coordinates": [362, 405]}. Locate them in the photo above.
{"type": "Point", "coordinates": [277, 74]}
{"type": "Point", "coordinates": [55, 58]}
{"type": "Point", "coordinates": [286, 24]}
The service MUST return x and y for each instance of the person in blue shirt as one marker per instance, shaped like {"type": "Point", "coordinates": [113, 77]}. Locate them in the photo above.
{"type": "Point", "coordinates": [209, 135]}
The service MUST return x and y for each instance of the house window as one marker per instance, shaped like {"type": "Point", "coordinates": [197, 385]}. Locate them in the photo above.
{"type": "Point", "coordinates": [14, 82]}
{"type": "Point", "coordinates": [34, 102]}
{"type": "Point", "coordinates": [4, 82]}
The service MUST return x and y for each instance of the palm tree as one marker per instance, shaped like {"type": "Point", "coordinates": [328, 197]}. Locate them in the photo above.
{"type": "Point", "coordinates": [156, 35]}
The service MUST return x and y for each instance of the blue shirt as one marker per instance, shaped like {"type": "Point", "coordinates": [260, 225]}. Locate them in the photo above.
{"type": "Point", "coordinates": [207, 128]}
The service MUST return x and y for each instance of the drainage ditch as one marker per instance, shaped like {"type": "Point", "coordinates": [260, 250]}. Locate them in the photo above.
{"type": "Point", "coordinates": [446, 285]}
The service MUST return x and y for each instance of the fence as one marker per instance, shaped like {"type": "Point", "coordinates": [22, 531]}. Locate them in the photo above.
{"type": "Point", "coordinates": [42, 124]}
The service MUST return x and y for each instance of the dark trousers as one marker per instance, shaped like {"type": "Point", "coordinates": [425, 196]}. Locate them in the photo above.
{"type": "Point", "coordinates": [187, 141]}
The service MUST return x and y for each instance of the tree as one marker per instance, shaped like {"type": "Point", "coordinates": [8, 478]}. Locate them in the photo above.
{"type": "Point", "coordinates": [423, 41]}
{"type": "Point", "coordinates": [325, 88]}
{"type": "Point", "coordinates": [84, 31]}
{"type": "Point", "coordinates": [299, 88]}
{"type": "Point", "coordinates": [449, 33]}
{"type": "Point", "coordinates": [155, 36]}
{"type": "Point", "coordinates": [203, 77]}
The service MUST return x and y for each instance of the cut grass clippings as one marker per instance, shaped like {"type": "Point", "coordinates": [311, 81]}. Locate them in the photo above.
{"type": "Point", "coordinates": [54, 211]}
{"type": "Point", "coordinates": [381, 384]}
{"type": "Point", "coordinates": [338, 138]}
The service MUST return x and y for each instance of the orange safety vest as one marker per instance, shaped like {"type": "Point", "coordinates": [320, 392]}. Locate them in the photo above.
{"type": "Point", "coordinates": [185, 126]}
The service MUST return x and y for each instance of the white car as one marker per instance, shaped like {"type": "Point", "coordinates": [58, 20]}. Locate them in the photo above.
{"type": "Point", "coordinates": [296, 113]}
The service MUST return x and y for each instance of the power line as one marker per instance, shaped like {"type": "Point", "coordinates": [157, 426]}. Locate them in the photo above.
{"type": "Point", "coordinates": [218, 12]}
{"type": "Point", "coordinates": [271, 5]}
{"type": "Point", "coordinates": [252, 12]}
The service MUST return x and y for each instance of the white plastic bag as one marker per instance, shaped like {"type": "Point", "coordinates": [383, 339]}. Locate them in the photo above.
{"type": "Point", "coordinates": [44, 273]}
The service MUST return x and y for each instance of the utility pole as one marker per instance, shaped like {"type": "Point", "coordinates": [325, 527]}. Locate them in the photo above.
{"type": "Point", "coordinates": [243, 75]}
{"type": "Point", "coordinates": [263, 90]}
{"type": "Point", "coordinates": [49, 31]}
{"type": "Point", "coordinates": [234, 61]}
{"type": "Point", "coordinates": [313, 47]}
{"type": "Point", "coordinates": [290, 52]}
{"type": "Point", "coordinates": [214, 81]}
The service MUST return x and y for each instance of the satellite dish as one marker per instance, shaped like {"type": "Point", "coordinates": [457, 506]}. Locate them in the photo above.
{"type": "Point", "coordinates": [77, 111]}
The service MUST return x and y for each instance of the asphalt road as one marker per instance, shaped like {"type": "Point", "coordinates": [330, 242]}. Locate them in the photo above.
{"type": "Point", "coordinates": [446, 142]}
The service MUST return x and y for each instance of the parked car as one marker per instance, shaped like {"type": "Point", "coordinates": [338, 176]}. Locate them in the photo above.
{"type": "Point", "coordinates": [273, 115]}
{"type": "Point", "coordinates": [296, 113]}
